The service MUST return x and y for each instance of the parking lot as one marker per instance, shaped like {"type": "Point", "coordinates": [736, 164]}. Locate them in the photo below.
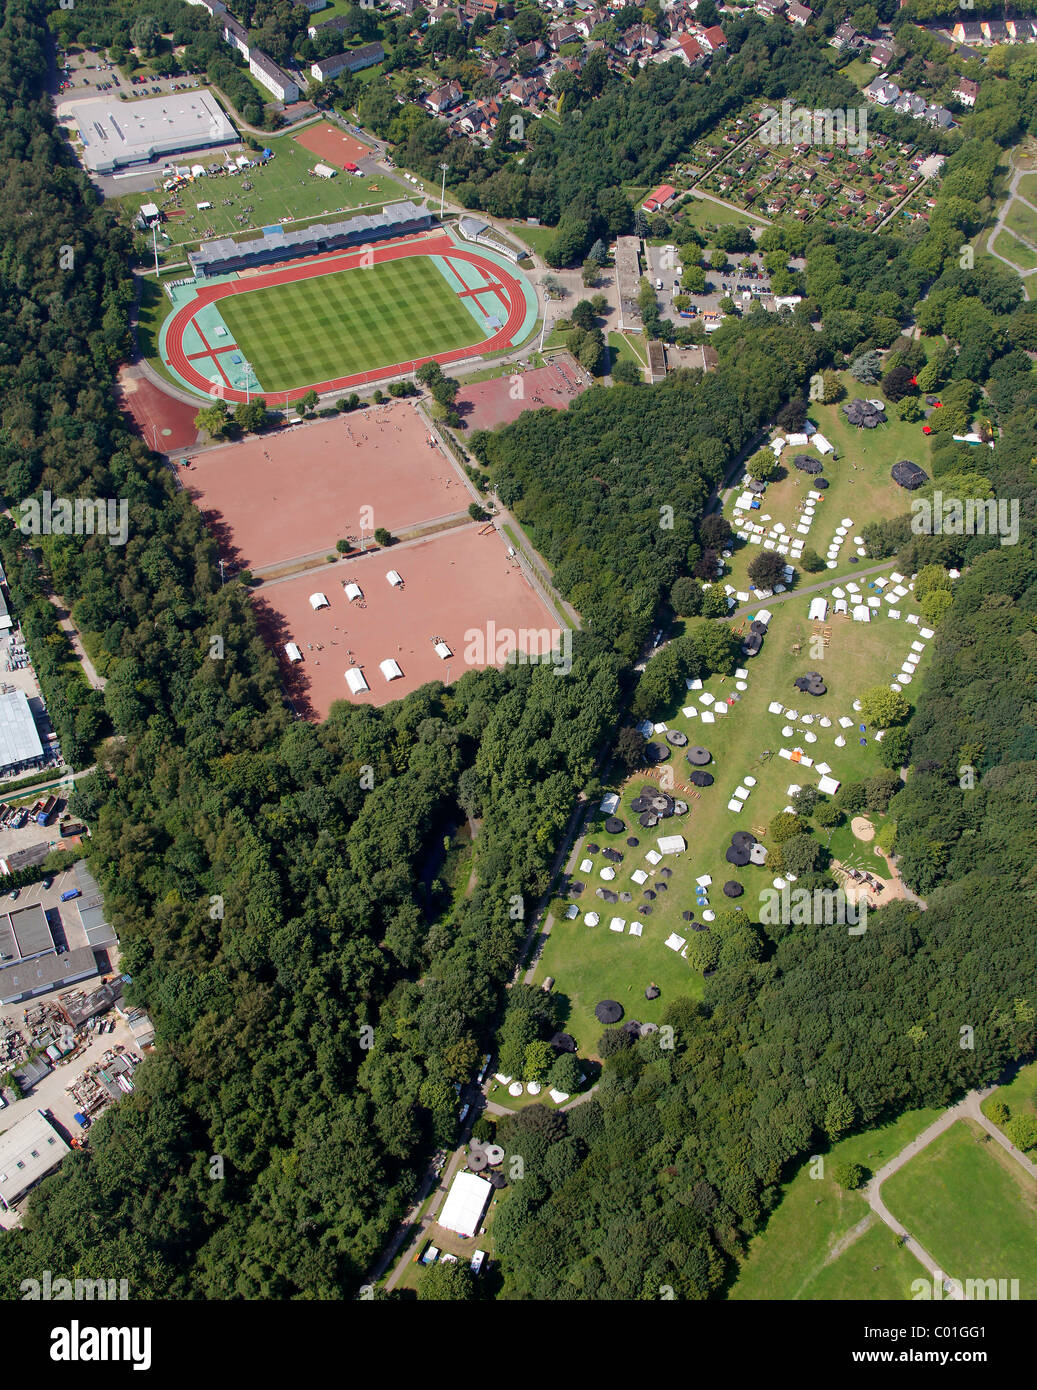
{"type": "Point", "coordinates": [741, 282]}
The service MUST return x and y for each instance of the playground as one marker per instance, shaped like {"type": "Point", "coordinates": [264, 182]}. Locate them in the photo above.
{"type": "Point", "coordinates": [453, 584]}
{"type": "Point", "coordinates": [486, 405]}
{"type": "Point", "coordinates": [282, 496]}
{"type": "Point", "coordinates": [320, 323]}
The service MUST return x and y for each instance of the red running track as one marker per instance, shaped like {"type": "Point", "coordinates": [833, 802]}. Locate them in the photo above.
{"type": "Point", "coordinates": [331, 265]}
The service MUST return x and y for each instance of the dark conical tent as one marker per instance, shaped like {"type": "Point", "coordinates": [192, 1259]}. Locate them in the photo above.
{"type": "Point", "coordinates": [700, 926]}
{"type": "Point", "coordinates": [609, 895]}
{"type": "Point", "coordinates": [743, 839]}
{"type": "Point", "coordinates": [633, 841]}
{"type": "Point", "coordinates": [752, 644]}
{"type": "Point", "coordinates": [592, 848]}
{"type": "Point", "coordinates": [757, 488]}
{"type": "Point", "coordinates": [806, 464]}
{"type": "Point", "coordinates": [675, 737]}
{"type": "Point", "coordinates": [733, 889]}
{"type": "Point", "coordinates": [652, 992]}
{"type": "Point", "coordinates": [648, 820]}
{"type": "Point", "coordinates": [649, 893]}
{"type": "Point", "coordinates": [563, 1042]}
{"type": "Point", "coordinates": [644, 909]}
{"type": "Point", "coordinates": [614, 825]}
{"type": "Point", "coordinates": [639, 803]}
{"type": "Point", "coordinates": [698, 757]}
{"type": "Point", "coordinates": [758, 629]}
{"type": "Point", "coordinates": [656, 752]}
{"type": "Point", "coordinates": [477, 1159]}
{"type": "Point", "coordinates": [608, 1011]}
{"type": "Point", "coordinates": [738, 857]}
{"type": "Point", "coordinates": [662, 804]}
{"type": "Point", "coordinates": [632, 1027]}
{"type": "Point", "coordinates": [498, 1180]}
{"type": "Point", "coordinates": [908, 474]}
{"type": "Point", "coordinates": [822, 483]}
{"type": "Point", "coordinates": [702, 779]}
{"type": "Point", "coordinates": [811, 683]}
{"type": "Point", "coordinates": [688, 916]}
{"type": "Point", "coordinates": [662, 887]}
{"type": "Point", "coordinates": [665, 873]}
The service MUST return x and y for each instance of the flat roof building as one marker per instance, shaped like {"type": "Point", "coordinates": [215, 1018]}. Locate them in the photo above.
{"type": "Point", "coordinates": [466, 1204]}
{"type": "Point", "coordinates": [19, 738]}
{"type": "Point", "coordinates": [24, 979]}
{"type": "Point", "coordinates": [273, 78]}
{"type": "Point", "coordinates": [224, 255]}
{"type": "Point", "coordinates": [24, 934]}
{"type": "Point", "coordinates": [117, 135]}
{"type": "Point", "coordinates": [366, 56]}
{"type": "Point", "coordinates": [29, 1150]}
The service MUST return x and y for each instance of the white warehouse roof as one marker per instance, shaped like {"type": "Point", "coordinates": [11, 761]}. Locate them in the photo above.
{"type": "Point", "coordinates": [394, 578]}
{"type": "Point", "coordinates": [19, 737]}
{"type": "Point", "coordinates": [117, 133]}
{"type": "Point", "coordinates": [443, 651]}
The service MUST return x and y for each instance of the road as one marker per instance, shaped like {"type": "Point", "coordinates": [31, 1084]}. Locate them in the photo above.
{"type": "Point", "coordinates": [802, 589]}
{"type": "Point", "coordinates": [966, 1108]}
{"type": "Point", "coordinates": [1013, 194]}
{"type": "Point", "coordinates": [68, 627]}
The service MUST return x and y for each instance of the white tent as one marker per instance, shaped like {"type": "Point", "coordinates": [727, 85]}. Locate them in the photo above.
{"type": "Point", "coordinates": [861, 613]}
{"type": "Point", "coordinates": [763, 616]}
{"type": "Point", "coordinates": [355, 680]}
{"type": "Point", "coordinates": [443, 651]}
{"type": "Point", "coordinates": [394, 578]}
{"type": "Point", "coordinates": [465, 1205]}
{"type": "Point", "coordinates": [319, 600]}
{"type": "Point", "coordinates": [829, 785]}
{"type": "Point", "coordinates": [352, 590]}
{"type": "Point", "coordinates": [292, 652]}
{"type": "Point", "coordinates": [821, 444]}
{"type": "Point", "coordinates": [672, 844]}
{"type": "Point", "coordinates": [818, 608]}
{"type": "Point", "coordinates": [390, 669]}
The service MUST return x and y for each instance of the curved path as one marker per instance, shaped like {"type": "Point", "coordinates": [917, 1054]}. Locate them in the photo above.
{"type": "Point", "coordinates": [331, 265]}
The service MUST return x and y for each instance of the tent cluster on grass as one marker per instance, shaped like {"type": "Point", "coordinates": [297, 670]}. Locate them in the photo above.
{"type": "Point", "coordinates": [811, 683]}
{"type": "Point", "coordinates": [865, 414]}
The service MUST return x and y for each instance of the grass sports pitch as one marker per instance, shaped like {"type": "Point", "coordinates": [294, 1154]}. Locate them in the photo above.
{"type": "Point", "coordinates": [334, 325]}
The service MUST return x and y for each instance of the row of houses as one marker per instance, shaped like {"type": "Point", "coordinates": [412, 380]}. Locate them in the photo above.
{"type": "Point", "coordinates": [985, 33]}
{"type": "Point", "coordinates": [847, 39]}
{"type": "Point", "coordinates": [883, 92]}
{"type": "Point", "coordinates": [262, 68]}
{"type": "Point", "coordinates": [791, 10]}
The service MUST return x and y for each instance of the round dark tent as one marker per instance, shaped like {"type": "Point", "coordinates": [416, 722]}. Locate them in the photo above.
{"type": "Point", "coordinates": [662, 804]}
{"type": "Point", "coordinates": [498, 1180]}
{"type": "Point", "coordinates": [648, 820]}
{"type": "Point", "coordinates": [811, 683]}
{"type": "Point", "coordinates": [733, 889]}
{"type": "Point", "coordinates": [609, 895]}
{"type": "Point", "coordinates": [666, 873]}
{"type": "Point", "coordinates": [662, 887]}
{"type": "Point", "coordinates": [702, 779]}
{"type": "Point", "coordinates": [698, 757]}
{"type": "Point", "coordinates": [639, 803]}
{"type": "Point", "coordinates": [744, 839]}
{"type": "Point", "coordinates": [477, 1159]}
{"type": "Point", "coordinates": [649, 893]}
{"type": "Point", "coordinates": [614, 826]}
{"type": "Point", "coordinates": [676, 738]}
{"type": "Point", "coordinates": [700, 926]}
{"type": "Point", "coordinates": [908, 475]}
{"type": "Point", "coordinates": [688, 916]}
{"type": "Point", "coordinates": [758, 629]}
{"type": "Point", "coordinates": [806, 464]}
{"type": "Point", "coordinates": [592, 848]}
{"type": "Point", "coordinates": [652, 992]}
{"type": "Point", "coordinates": [757, 488]}
{"type": "Point", "coordinates": [656, 752]}
{"type": "Point", "coordinates": [644, 909]}
{"type": "Point", "coordinates": [563, 1042]}
{"type": "Point", "coordinates": [632, 1027]}
{"type": "Point", "coordinates": [633, 841]}
{"type": "Point", "coordinates": [752, 644]}
{"type": "Point", "coordinates": [608, 1011]}
{"type": "Point", "coordinates": [738, 857]}
{"type": "Point", "coordinates": [822, 483]}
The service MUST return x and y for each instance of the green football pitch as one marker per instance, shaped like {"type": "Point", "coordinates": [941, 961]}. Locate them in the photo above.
{"type": "Point", "coordinates": [331, 326]}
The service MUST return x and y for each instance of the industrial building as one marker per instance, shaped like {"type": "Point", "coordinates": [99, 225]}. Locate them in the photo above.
{"type": "Point", "coordinates": [120, 135]}
{"type": "Point", "coordinates": [20, 745]}
{"type": "Point", "coordinates": [29, 1150]}
{"type": "Point", "coordinates": [223, 255]}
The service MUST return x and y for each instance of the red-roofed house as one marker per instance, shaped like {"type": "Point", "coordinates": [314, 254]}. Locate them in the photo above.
{"type": "Point", "coordinates": [660, 198]}
{"type": "Point", "coordinates": [690, 51]}
{"type": "Point", "coordinates": [714, 39]}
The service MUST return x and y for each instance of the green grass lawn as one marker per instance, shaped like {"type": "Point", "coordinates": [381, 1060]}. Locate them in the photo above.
{"type": "Point", "coordinates": [592, 963]}
{"type": "Point", "coordinates": [621, 348]}
{"type": "Point", "coordinates": [283, 187]}
{"type": "Point", "coordinates": [704, 214]}
{"type": "Point", "coordinates": [971, 1206]}
{"type": "Point", "coordinates": [1027, 186]}
{"type": "Point", "coordinates": [1014, 250]}
{"type": "Point", "coordinates": [1022, 219]}
{"type": "Point", "coordinates": [1020, 1095]}
{"type": "Point", "coordinates": [794, 1256]}
{"type": "Point", "coordinates": [356, 320]}
{"type": "Point", "coordinates": [539, 238]}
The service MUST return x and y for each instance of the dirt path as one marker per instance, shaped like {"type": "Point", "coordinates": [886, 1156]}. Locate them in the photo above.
{"type": "Point", "coordinates": [854, 1234]}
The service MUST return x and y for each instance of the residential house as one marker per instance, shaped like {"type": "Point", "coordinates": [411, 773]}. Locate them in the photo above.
{"type": "Point", "coordinates": [444, 98]}
{"type": "Point", "coordinates": [882, 54]}
{"type": "Point", "coordinates": [690, 51]}
{"type": "Point", "coordinates": [799, 14]}
{"type": "Point", "coordinates": [235, 34]}
{"type": "Point", "coordinates": [474, 8]}
{"type": "Point", "coordinates": [966, 92]}
{"type": "Point", "coordinates": [882, 91]}
{"type": "Point", "coordinates": [770, 8]}
{"type": "Point", "coordinates": [713, 38]}
{"type": "Point", "coordinates": [587, 22]}
{"type": "Point", "coordinates": [939, 117]}
{"type": "Point", "coordinates": [846, 36]}
{"type": "Point", "coordinates": [969, 31]}
{"type": "Point", "coordinates": [366, 56]}
{"type": "Point", "coordinates": [533, 50]}
{"type": "Point", "coordinates": [562, 33]}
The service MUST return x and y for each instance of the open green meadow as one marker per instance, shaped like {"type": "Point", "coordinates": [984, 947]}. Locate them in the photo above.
{"type": "Point", "coordinates": [331, 326]}
{"type": "Point", "coordinates": [283, 187]}
{"type": "Point", "coordinates": [1023, 220]}
{"type": "Point", "coordinates": [822, 1243]}
{"type": "Point", "coordinates": [593, 963]}
{"type": "Point", "coordinates": [971, 1206]}
{"type": "Point", "coordinates": [1020, 1094]}
{"type": "Point", "coordinates": [1014, 250]}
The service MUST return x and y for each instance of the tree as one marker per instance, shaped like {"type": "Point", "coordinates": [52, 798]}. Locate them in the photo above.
{"type": "Point", "coordinates": [213, 419]}
{"type": "Point", "coordinates": [930, 579]}
{"type": "Point", "coordinates": [447, 1283]}
{"type": "Point", "coordinates": [538, 1059]}
{"type": "Point", "coordinates": [250, 415]}
{"type": "Point", "coordinates": [909, 409]}
{"type": "Point", "coordinates": [310, 399]}
{"type": "Point", "coordinates": [880, 787]}
{"type": "Point", "coordinates": [897, 383]}
{"type": "Point", "coordinates": [715, 531]}
{"type": "Point", "coordinates": [582, 315]}
{"type": "Point", "coordinates": [784, 825]}
{"type": "Point", "coordinates": [718, 259]}
{"type": "Point", "coordinates": [766, 569]}
{"type": "Point", "coordinates": [627, 373]}
{"type": "Point", "coordinates": [867, 368]}
{"type": "Point", "coordinates": [832, 388]}
{"type": "Point", "coordinates": [812, 562]}
{"type": "Point", "coordinates": [805, 800]}
{"type": "Point", "coordinates": [693, 279]}
{"type": "Point", "coordinates": [565, 1073]}
{"type": "Point", "coordinates": [686, 597]}
{"type": "Point", "coordinates": [883, 707]}
{"type": "Point", "coordinates": [598, 253]}
{"type": "Point", "coordinates": [383, 536]}
{"type": "Point", "coordinates": [1021, 1129]}
{"type": "Point", "coordinates": [714, 602]}
{"type": "Point", "coordinates": [999, 1113]}
{"type": "Point", "coordinates": [764, 465]}
{"type": "Point", "coordinates": [629, 748]}
{"type": "Point", "coordinates": [476, 512]}
{"type": "Point", "coordinates": [827, 814]}
{"type": "Point", "coordinates": [793, 414]}
{"type": "Point", "coordinates": [800, 853]}
{"type": "Point", "coordinates": [589, 272]}
{"type": "Point", "coordinates": [849, 1176]}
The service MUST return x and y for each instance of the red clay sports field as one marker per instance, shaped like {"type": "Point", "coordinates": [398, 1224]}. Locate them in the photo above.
{"type": "Point", "coordinates": [501, 283]}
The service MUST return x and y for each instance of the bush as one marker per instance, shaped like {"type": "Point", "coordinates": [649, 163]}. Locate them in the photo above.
{"type": "Point", "coordinates": [849, 1176]}
{"type": "Point", "coordinates": [784, 825]}
{"type": "Point", "coordinates": [812, 562]}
